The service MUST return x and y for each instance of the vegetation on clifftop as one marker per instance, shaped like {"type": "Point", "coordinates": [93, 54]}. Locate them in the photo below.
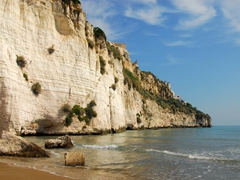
{"type": "Point", "coordinates": [99, 33]}
{"type": "Point", "coordinates": [163, 97]}
{"type": "Point", "coordinates": [113, 50]}
{"type": "Point", "coordinates": [131, 80]}
{"type": "Point", "coordinates": [68, 1]}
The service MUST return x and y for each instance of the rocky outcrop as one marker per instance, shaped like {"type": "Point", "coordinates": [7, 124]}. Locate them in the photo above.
{"type": "Point", "coordinates": [65, 64]}
{"type": "Point", "coordinates": [12, 145]}
{"type": "Point", "coordinates": [60, 142]}
{"type": "Point", "coordinates": [74, 159]}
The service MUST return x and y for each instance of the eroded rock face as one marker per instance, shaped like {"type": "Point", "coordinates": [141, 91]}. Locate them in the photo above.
{"type": "Point", "coordinates": [12, 145]}
{"type": "Point", "coordinates": [74, 159]}
{"type": "Point", "coordinates": [60, 142]}
{"type": "Point", "coordinates": [71, 75]}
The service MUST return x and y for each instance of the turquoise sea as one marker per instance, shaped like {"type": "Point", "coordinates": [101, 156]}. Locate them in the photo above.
{"type": "Point", "coordinates": [190, 153]}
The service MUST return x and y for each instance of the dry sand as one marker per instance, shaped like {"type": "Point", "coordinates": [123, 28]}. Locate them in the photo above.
{"type": "Point", "coordinates": [8, 172]}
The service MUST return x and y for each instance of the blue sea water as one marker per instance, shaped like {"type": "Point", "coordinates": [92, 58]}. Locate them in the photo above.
{"type": "Point", "coordinates": [188, 153]}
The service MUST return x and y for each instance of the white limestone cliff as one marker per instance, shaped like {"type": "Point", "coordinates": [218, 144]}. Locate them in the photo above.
{"type": "Point", "coordinates": [70, 75]}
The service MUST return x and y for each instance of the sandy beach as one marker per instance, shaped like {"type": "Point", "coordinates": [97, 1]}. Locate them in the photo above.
{"type": "Point", "coordinates": [9, 172]}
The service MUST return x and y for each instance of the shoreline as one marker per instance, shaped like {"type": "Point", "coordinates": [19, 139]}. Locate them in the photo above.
{"type": "Point", "coordinates": [8, 172]}
{"type": "Point", "coordinates": [109, 132]}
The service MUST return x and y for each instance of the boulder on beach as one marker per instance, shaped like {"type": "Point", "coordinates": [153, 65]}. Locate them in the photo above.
{"type": "Point", "coordinates": [60, 142]}
{"type": "Point", "coordinates": [74, 159]}
{"type": "Point", "coordinates": [12, 145]}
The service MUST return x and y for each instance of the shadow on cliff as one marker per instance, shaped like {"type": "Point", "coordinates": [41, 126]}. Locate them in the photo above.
{"type": "Point", "coordinates": [48, 125]}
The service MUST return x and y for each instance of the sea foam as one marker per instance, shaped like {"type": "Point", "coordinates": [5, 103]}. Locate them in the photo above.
{"type": "Point", "coordinates": [196, 156]}
{"type": "Point", "coordinates": [112, 146]}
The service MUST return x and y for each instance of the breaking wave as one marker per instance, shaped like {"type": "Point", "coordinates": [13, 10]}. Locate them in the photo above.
{"type": "Point", "coordinates": [101, 146]}
{"type": "Point", "coordinates": [206, 156]}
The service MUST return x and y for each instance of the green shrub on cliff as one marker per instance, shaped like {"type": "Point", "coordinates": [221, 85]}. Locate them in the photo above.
{"type": "Point", "coordinates": [131, 80]}
{"type": "Point", "coordinates": [36, 88]}
{"type": "Point", "coordinates": [25, 76]}
{"type": "Point", "coordinates": [163, 97]}
{"type": "Point", "coordinates": [92, 104]}
{"type": "Point", "coordinates": [163, 104]}
{"type": "Point", "coordinates": [76, 109]}
{"type": "Point", "coordinates": [114, 51]}
{"type": "Point", "coordinates": [172, 104]}
{"type": "Point", "coordinates": [178, 106]}
{"type": "Point", "coordinates": [21, 62]}
{"type": "Point", "coordinates": [83, 114]}
{"type": "Point", "coordinates": [102, 65]}
{"type": "Point", "coordinates": [201, 115]}
{"type": "Point", "coordinates": [90, 113]}
{"type": "Point", "coordinates": [68, 119]}
{"type": "Point", "coordinates": [66, 108]}
{"type": "Point", "coordinates": [99, 33]}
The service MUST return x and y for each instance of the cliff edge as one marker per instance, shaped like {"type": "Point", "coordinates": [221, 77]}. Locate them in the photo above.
{"type": "Point", "coordinates": [60, 75]}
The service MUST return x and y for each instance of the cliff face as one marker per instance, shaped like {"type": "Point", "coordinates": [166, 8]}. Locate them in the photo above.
{"type": "Point", "coordinates": [50, 43]}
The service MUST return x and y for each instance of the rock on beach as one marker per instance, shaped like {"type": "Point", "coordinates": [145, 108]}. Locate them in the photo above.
{"type": "Point", "coordinates": [12, 145]}
{"type": "Point", "coordinates": [60, 142]}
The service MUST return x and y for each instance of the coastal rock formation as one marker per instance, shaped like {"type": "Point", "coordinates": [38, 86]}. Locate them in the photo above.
{"type": "Point", "coordinates": [74, 159]}
{"type": "Point", "coordinates": [60, 75]}
{"type": "Point", "coordinates": [60, 142]}
{"type": "Point", "coordinates": [12, 145]}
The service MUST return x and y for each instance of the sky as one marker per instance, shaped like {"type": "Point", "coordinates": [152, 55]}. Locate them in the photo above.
{"type": "Point", "coordinates": [193, 44]}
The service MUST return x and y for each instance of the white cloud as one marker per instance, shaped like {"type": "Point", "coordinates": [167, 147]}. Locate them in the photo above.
{"type": "Point", "coordinates": [231, 12]}
{"type": "Point", "coordinates": [144, 1]}
{"type": "Point", "coordinates": [179, 43]}
{"type": "Point", "coordinates": [199, 11]}
{"type": "Point", "coordinates": [102, 9]}
{"type": "Point", "coordinates": [189, 14]}
{"type": "Point", "coordinates": [149, 14]}
{"type": "Point", "coordinates": [148, 11]}
{"type": "Point", "coordinates": [171, 60]}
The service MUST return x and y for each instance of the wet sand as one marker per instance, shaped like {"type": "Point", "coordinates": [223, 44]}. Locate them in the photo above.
{"type": "Point", "coordinates": [9, 172]}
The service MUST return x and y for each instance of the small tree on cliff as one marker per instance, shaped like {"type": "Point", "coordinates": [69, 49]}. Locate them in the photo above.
{"type": "Point", "coordinates": [98, 33]}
